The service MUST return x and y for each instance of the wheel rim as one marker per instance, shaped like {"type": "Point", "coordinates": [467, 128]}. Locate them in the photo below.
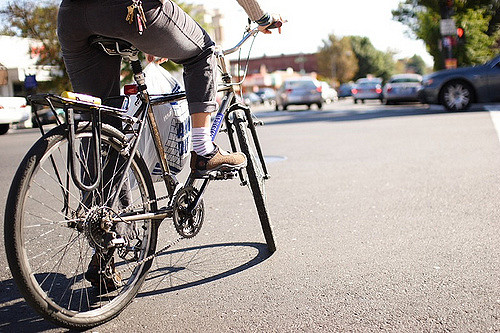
{"type": "Point", "coordinates": [457, 96]}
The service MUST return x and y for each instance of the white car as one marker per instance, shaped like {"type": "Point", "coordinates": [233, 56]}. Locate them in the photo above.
{"type": "Point", "coordinates": [13, 110]}
{"type": "Point", "coordinates": [329, 94]}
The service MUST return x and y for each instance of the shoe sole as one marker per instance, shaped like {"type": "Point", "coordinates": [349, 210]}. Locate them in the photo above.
{"type": "Point", "coordinates": [222, 168]}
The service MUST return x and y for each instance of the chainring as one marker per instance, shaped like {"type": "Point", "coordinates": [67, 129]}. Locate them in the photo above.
{"type": "Point", "coordinates": [187, 224]}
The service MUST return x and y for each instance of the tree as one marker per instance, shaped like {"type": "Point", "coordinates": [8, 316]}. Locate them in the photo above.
{"type": "Point", "coordinates": [336, 59]}
{"type": "Point", "coordinates": [370, 60]}
{"type": "Point", "coordinates": [38, 21]}
{"type": "Point", "coordinates": [416, 64]}
{"type": "Point", "coordinates": [479, 18]}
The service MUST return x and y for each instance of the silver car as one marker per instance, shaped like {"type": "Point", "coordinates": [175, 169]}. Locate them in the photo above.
{"type": "Point", "coordinates": [367, 88]}
{"type": "Point", "coordinates": [305, 91]}
{"type": "Point", "coordinates": [402, 88]}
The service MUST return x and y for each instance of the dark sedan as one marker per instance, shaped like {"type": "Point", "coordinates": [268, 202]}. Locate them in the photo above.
{"type": "Point", "coordinates": [456, 89]}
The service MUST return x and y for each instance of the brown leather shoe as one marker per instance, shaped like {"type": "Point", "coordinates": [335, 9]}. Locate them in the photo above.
{"type": "Point", "coordinates": [218, 160]}
{"type": "Point", "coordinates": [98, 280]}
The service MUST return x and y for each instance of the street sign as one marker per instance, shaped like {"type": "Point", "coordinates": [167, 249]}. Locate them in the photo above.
{"type": "Point", "coordinates": [450, 63]}
{"type": "Point", "coordinates": [448, 27]}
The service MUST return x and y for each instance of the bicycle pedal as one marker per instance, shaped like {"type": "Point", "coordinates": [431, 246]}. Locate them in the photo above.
{"type": "Point", "coordinates": [223, 175]}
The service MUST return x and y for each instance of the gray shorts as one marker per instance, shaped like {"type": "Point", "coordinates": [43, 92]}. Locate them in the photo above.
{"type": "Point", "coordinates": [170, 33]}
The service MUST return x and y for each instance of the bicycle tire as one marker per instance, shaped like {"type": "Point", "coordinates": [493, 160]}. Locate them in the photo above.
{"type": "Point", "coordinates": [48, 258]}
{"type": "Point", "coordinates": [256, 177]}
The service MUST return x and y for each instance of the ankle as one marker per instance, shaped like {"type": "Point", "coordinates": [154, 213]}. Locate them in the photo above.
{"type": "Point", "coordinates": [202, 141]}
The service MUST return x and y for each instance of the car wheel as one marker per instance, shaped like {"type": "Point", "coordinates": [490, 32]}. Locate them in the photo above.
{"type": "Point", "coordinates": [320, 105]}
{"type": "Point", "coordinates": [277, 107]}
{"type": "Point", "coordinates": [363, 101]}
{"type": "Point", "coordinates": [456, 96]}
{"type": "Point", "coordinates": [4, 128]}
{"type": "Point", "coordinates": [285, 106]}
{"type": "Point", "coordinates": [355, 101]}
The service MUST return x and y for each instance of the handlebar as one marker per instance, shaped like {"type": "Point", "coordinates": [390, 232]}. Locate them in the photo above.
{"type": "Point", "coordinates": [251, 33]}
{"type": "Point", "coordinates": [248, 34]}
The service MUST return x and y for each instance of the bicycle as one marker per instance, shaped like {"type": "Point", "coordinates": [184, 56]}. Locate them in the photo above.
{"type": "Point", "coordinates": [86, 176]}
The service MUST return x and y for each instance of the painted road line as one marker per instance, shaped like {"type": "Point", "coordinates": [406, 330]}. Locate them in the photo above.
{"type": "Point", "coordinates": [495, 117]}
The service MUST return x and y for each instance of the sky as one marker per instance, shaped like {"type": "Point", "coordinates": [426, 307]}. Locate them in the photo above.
{"type": "Point", "coordinates": [311, 21]}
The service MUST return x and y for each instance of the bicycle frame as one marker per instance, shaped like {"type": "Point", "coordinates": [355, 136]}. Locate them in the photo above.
{"type": "Point", "coordinates": [228, 104]}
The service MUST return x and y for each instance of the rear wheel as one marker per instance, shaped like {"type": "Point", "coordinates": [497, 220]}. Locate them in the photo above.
{"type": "Point", "coordinates": [53, 229]}
{"type": "Point", "coordinates": [256, 177]}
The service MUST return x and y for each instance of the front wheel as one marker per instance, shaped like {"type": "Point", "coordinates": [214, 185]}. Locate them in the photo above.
{"type": "Point", "coordinates": [456, 96]}
{"type": "Point", "coordinates": [53, 230]}
{"type": "Point", "coordinates": [256, 177]}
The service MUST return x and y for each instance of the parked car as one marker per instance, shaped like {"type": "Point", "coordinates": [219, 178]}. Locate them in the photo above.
{"type": "Point", "coordinates": [402, 88]}
{"type": "Point", "coordinates": [13, 110]}
{"type": "Point", "coordinates": [305, 91]}
{"type": "Point", "coordinates": [345, 90]}
{"type": "Point", "coordinates": [367, 88]}
{"type": "Point", "coordinates": [251, 98]}
{"type": "Point", "coordinates": [456, 89]}
{"type": "Point", "coordinates": [266, 95]}
{"type": "Point", "coordinates": [329, 94]}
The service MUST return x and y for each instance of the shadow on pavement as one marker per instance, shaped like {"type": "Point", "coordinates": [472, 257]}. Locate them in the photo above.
{"type": "Point", "coordinates": [171, 271]}
{"type": "Point", "coordinates": [16, 315]}
{"type": "Point", "coordinates": [193, 266]}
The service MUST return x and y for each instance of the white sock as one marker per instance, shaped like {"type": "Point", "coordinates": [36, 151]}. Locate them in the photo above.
{"type": "Point", "coordinates": [202, 141]}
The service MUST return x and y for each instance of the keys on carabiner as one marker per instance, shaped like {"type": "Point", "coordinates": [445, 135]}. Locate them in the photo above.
{"type": "Point", "coordinates": [130, 13]}
{"type": "Point", "coordinates": [136, 11]}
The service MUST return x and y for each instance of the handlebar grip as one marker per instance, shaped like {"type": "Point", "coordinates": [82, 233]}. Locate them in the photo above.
{"type": "Point", "coordinates": [275, 25]}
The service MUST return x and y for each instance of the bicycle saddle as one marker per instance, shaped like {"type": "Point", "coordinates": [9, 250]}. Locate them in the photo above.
{"type": "Point", "coordinates": [114, 46]}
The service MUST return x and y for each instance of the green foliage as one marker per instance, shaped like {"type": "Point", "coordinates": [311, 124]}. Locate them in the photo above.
{"type": "Point", "coordinates": [479, 47]}
{"type": "Point", "coordinates": [416, 64]}
{"type": "Point", "coordinates": [370, 60]}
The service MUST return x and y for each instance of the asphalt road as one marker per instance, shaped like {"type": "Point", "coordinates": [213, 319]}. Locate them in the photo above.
{"type": "Point", "coordinates": [386, 218]}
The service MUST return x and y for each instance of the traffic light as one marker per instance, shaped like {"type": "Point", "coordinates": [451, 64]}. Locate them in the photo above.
{"type": "Point", "coordinates": [461, 35]}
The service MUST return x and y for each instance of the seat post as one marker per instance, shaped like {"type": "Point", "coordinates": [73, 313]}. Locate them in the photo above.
{"type": "Point", "coordinates": [138, 73]}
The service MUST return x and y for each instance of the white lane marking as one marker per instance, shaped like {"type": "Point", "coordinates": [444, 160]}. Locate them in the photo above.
{"type": "Point", "coordinates": [495, 117]}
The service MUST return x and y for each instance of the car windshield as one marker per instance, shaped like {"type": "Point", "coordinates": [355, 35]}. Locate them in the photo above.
{"type": "Point", "coordinates": [367, 84]}
{"type": "Point", "coordinates": [301, 85]}
{"type": "Point", "coordinates": [405, 79]}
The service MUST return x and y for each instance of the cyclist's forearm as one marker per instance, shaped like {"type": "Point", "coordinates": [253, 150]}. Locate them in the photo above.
{"type": "Point", "coordinates": [253, 10]}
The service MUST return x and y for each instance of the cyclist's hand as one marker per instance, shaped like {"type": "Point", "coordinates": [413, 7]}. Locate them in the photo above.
{"type": "Point", "coordinates": [276, 22]}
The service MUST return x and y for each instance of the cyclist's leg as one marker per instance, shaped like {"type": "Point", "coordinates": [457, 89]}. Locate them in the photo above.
{"type": "Point", "coordinates": [173, 34]}
{"type": "Point", "coordinates": [92, 72]}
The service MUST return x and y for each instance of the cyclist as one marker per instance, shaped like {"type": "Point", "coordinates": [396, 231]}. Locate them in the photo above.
{"type": "Point", "coordinates": [166, 31]}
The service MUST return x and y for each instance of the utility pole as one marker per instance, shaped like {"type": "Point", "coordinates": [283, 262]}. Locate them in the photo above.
{"type": "Point", "coordinates": [448, 32]}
